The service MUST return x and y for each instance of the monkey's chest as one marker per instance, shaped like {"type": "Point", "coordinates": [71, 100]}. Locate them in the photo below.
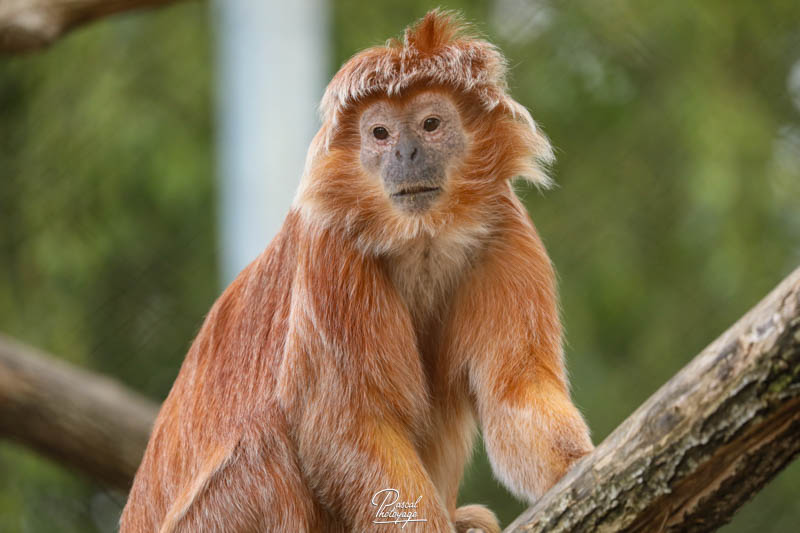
{"type": "Point", "coordinates": [425, 275]}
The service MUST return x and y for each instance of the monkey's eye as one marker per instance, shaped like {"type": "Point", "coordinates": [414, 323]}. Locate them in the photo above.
{"type": "Point", "coordinates": [380, 132]}
{"type": "Point", "coordinates": [431, 123]}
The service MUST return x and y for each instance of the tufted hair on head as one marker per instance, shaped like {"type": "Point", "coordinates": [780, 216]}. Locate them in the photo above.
{"type": "Point", "coordinates": [437, 50]}
{"type": "Point", "coordinates": [440, 50]}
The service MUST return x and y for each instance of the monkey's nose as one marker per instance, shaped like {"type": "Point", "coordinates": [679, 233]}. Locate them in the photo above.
{"type": "Point", "coordinates": [406, 150]}
{"type": "Point", "coordinates": [411, 156]}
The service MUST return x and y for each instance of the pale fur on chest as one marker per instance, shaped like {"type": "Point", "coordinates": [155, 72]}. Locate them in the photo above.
{"type": "Point", "coordinates": [425, 272]}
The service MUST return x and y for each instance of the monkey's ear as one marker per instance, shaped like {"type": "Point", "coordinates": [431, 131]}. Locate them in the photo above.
{"type": "Point", "coordinates": [537, 153]}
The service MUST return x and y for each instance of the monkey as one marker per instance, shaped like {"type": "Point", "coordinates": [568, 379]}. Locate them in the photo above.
{"type": "Point", "coordinates": [338, 384]}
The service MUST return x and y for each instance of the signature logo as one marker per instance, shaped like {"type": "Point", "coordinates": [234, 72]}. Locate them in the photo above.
{"type": "Point", "coordinates": [393, 510]}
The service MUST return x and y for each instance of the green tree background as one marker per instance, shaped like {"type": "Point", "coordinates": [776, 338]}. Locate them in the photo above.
{"type": "Point", "coordinates": [677, 126]}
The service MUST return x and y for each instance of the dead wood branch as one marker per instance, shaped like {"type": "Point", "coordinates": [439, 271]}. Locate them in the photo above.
{"type": "Point", "coordinates": [81, 419]}
{"type": "Point", "coordinates": [702, 445]}
{"type": "Point", "coordinates": [32, 24]}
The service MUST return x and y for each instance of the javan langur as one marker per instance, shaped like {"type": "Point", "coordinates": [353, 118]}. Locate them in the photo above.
{"type": "Point", "coordinates": [339, 382]}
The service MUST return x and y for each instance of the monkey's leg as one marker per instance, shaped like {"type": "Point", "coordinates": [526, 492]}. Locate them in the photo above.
{"type": "Point", "coordinates": [368, 474]}
{"type": "Point", "coordinates": [447, 452]}
{"type": "Point", "coordinates": [256, 487]}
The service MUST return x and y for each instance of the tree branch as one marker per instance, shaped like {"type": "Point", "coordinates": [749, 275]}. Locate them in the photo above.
{"type": "Point", "coordinates": [81, 419]}
{"type": "Point", "coordinates": [702, 445]}
{"type": "Point", "coordinates": [32, 24]}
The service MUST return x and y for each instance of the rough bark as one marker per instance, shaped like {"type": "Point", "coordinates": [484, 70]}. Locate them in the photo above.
{"type": "Point", "coordinates": [702, 445]}
{"type": "Point", "coordinates": [32, 24]}
{"type": "Point", "coordinates": [83, 420]}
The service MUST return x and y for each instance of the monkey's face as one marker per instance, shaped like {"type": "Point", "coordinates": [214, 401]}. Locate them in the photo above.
{"type": "Point", "coordinates": [410, 145]}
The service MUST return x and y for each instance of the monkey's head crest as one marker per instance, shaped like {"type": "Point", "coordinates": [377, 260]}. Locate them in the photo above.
{"type": "Point", "coordinates": [437, 51]}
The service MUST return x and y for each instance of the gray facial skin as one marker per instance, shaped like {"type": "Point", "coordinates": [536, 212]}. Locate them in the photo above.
{"type": "Point", "coordinates": [411, 161]}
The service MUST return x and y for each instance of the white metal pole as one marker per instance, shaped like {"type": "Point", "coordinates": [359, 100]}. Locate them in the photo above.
{"type": "Point", "coordinates": [272, 62]}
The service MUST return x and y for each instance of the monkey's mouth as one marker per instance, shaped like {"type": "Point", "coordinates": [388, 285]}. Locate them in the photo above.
{"type": "Point", "coordinates": [414, 190]}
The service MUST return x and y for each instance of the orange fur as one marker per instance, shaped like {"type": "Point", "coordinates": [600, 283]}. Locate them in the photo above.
{"type": "Point", "coordinates": [363, 348]}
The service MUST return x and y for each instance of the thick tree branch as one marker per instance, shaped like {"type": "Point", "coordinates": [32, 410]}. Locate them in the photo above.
{"type": "Point", "coordinates": [31, 24]}
{"type": "Point", "coordinates": [81, 419]}
{"type": "Point", "coordinates": [702, 445]}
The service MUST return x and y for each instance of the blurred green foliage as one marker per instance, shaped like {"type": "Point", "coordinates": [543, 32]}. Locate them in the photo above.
{"type": "Point", "coordinates": [677, 127]}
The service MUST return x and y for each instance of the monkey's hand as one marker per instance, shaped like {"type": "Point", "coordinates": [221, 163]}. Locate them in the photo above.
{"type": "Point", "coordinates": [533, 438]}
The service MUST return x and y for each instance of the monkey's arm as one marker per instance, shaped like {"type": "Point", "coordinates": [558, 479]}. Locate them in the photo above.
{"type": "Point", "coordinates": [354, 381]}
{"type": "Point", "coordinates": [511, 331]}
{"type": "Point", "coordinates": [533, 432]}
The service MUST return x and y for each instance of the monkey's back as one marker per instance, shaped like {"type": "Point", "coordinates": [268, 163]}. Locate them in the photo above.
{"type": "Point", "coordinates": [233, 360]}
